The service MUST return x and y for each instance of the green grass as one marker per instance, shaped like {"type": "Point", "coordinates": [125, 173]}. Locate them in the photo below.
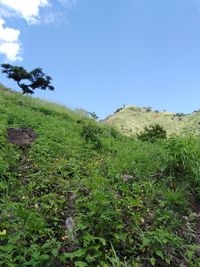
{"type": "Point", "coordinates": [132, 120]}
{"type": "Point", "coordinates": [74, 173]}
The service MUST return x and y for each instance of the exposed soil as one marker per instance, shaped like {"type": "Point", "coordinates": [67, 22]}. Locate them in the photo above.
{"type": "Point", "coordinates": [21, 136]}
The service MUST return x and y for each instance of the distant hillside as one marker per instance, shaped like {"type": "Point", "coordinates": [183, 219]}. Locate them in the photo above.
{"type": "Point", "coordinates": [81, 194]}
{"type": "Point", "coordinates": [131, 120]}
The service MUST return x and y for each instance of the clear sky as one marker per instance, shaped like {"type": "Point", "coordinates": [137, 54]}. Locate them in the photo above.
{"type": "Point", "coordinates": [106, 53]}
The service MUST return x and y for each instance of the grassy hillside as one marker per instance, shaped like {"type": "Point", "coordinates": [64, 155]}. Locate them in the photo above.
{"type": "Point", "coordinates": [132, 120]}
{"type": "Point", "coordinates": [85, 195]}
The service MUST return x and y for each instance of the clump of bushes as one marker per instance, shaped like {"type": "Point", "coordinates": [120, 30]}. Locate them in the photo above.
{"type": "Point", "coordinates": [180, 114]}
{"type": "Point", "coordinates": [119, 109]}
{"type": "Point", "coordinates": [91, 133]}
{"type": "Point", "coordinates": [152, 133]}
{"type": "Point", "coordinates": [148, 109]}
{"type": "Point", "coordinates": [93, 115]}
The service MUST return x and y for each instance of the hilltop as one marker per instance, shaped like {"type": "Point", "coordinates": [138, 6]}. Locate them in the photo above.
{"type": "Point", "coordinates": [132, 120]}
{"type": "Point", "coordinates": [81, 194]}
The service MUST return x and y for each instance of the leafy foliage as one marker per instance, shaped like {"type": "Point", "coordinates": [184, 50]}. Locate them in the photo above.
{"type": "Point", "coordinates": [152, 133]}
{"type": "Point", "coordinates": [91, 133]}
{"type": "Point", "coordinates": [36, 78]}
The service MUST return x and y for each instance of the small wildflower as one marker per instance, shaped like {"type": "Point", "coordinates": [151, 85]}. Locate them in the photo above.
{"type": "Point", "coordinates": [64, 237]}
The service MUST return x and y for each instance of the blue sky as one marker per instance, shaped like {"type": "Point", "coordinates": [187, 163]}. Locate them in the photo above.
{"type": "Point", "coordinates": [106, 53]}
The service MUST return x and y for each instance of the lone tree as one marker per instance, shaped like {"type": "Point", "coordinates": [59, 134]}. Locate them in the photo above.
{"type": "Point", "coordinates": [28, 81]}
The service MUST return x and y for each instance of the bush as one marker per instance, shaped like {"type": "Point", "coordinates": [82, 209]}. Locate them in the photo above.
{"type": "Point", "coordinates": [152, 133]}
{"type": "Point", "coordinates": [118, 110]}
{"type": "Point", "coordinates": [90, 132]}
{"type": "Point", "coordinates": [148, 109]}
{"type": "Point", "coordinates": [180, 114]}
{"type": "Point", "coordinates": [93, 115]}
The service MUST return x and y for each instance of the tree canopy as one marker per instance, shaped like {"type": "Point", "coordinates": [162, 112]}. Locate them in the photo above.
{"type": "Point", "coordinates": [28, 81]}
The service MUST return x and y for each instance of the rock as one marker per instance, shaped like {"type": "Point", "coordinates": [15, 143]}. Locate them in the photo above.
{"type": "Point", "coordinates": [127, 177]}
{"type": "Point", "coordinates": [21, 136]}
{"type": "Point", "coordinates": [73, 197]}
{"type": "Point", "coordinates": [69, 223]}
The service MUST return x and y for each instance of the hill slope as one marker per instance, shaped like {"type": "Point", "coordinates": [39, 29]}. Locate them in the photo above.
{"type": "Point", "coordinates": [85, 195]}
{"type": "Point", "coordinates": [131, 120]}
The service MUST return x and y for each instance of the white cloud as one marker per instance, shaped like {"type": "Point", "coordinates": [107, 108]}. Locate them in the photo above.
{"type": "Point", "coordinates": [9, 42]}
{"type": "Point", "coordinates": [30, 11]}
{"type": "Point", "coordinates": [8, 34]}
{"type": "Point", "coordinates": [27, 9]}
{"type": "Point", "coordinates": [11, 51]}
{"type": "Point", "coordinates": [9, 37]}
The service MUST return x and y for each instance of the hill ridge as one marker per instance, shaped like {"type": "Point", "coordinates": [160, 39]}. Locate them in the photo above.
{"type": "Point", "coordinates": [132, 119]}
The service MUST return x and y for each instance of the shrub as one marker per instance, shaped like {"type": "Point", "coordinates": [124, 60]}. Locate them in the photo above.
{"type": "Point", "coordinates": [148, 109]}
{"type": "Point", "coordinates": [180, 114]}
{"type": "Point", "coordinates": [179, 156]}
{"type": "Point", "coordinates": [152, 133]}
{"type": "Point", "coordinates": [90, 132]}
{"type": "Point", "coordinates": [118, 110]}
{"type": "Point", "coordinates": [93, 115]}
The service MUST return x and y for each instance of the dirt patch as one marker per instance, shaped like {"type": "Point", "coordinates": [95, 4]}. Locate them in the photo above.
{"type": "Point", "coordinates": [21, 136]}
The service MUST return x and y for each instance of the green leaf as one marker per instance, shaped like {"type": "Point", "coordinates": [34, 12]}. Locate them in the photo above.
{"type": "Point", "coordinates": [44, 257]}
{"type": "Point", "coordinates": [76, 254]}
{"type": "Point", "coordinates": [153, 261]}
{"type": "Point", "coordinates": [80, 264]}
{"type": "Point", "coordinates": [54, 252]}
{"type": "Point", "coordinates": [160, 254]}
{"type": "Point", "coordinates": [146, 241]}
{"type": "Point", "coordinates": [168, 261]}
